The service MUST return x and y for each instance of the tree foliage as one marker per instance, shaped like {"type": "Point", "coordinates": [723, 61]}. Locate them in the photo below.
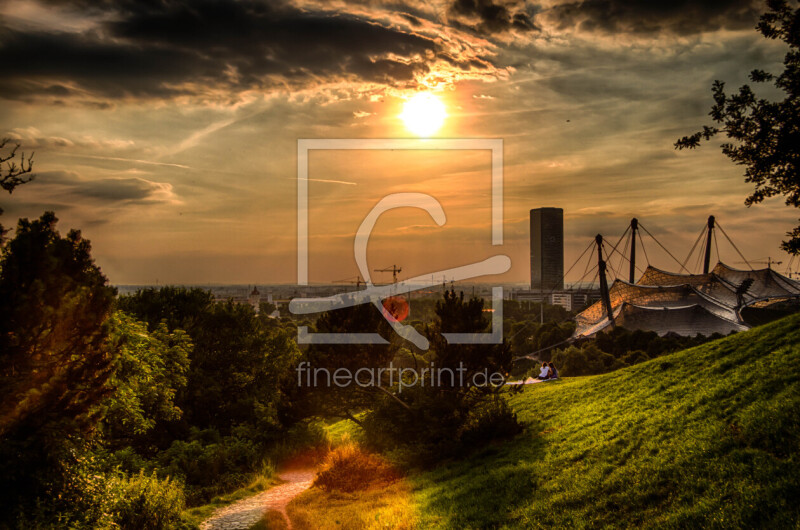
{"type": "Point", "coordinates": [55, 362]}
{"type": "Point", "coordinates": [54, 359]}
{"type": "Point", "coordinates": [323, 397]}
{"type": "Point", "coordinates": [149, 369]}
{"type": "Point", "coordinates": [241, 365]}
{"type": "Point", "coordinates": [456, 413]}
{"type": "Point", "coordinates": [763, 134]}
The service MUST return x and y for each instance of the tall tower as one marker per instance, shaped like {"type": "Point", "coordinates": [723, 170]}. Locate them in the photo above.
{"type": "Point", "coordinates": [547, 249]}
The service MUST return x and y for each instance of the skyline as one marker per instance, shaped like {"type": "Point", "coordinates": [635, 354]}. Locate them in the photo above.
{"type": "Point", "coordinates": [174, 151]}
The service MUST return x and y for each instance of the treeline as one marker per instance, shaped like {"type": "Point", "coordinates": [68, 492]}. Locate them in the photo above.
{"type": "Point", "coordinates": [618, 348]}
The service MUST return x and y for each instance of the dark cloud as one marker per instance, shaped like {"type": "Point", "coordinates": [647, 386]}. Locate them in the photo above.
{"type": "Point", "coordinates": [107, 190]}
{"type": "Point", "coordinates": [490, 16]}
{"type": "Point", "coordinates": [167, 49]}
{"type": "Point", "coordinates": [648, 16]}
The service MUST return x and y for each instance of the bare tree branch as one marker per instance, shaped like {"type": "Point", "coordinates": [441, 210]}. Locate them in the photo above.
{"type": "Point", "coordinates": [11, 174]}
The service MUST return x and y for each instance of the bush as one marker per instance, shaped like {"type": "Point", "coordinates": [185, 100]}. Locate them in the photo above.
{"type": "Point", "coordinates": [212, 465]}
{"type": "Point", "coordinates": [147, 502]}
{"type": "Point", "coordinates": [490, 420]}
{"type": "Point", "coordinates": [347, 468]}
{"type": "Point", "coordinates": [438, 425]}
{"type": "Point", "coordinates": [587, 360]}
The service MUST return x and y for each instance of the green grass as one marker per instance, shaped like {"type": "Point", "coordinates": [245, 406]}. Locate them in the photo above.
{"type": "Point", "coordinates": [706, 437]}
{"type": "Point", "coordinates": [340, 432]}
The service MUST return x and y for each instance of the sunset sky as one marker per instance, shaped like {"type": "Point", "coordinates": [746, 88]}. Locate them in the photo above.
{"type": "Point", "coordinates": [167, 131]}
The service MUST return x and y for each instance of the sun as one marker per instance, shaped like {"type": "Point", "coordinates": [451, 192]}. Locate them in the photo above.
{"type": "Point", "coordinates": [423, 114]}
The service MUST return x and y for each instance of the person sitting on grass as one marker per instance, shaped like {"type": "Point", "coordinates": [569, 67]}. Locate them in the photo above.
{"type": "Point", "coordinates": [544, 373]}
{"type": "Point", "coordinates": [553, 374]}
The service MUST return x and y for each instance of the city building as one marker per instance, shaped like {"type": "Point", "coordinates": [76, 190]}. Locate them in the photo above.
{"type": "Point", "coordinates": [547, 249]}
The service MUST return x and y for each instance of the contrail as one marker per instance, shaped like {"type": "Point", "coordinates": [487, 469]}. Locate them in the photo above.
{"type": "Point", "coordinates": [118, 159]}
{"type": "Point", "coordinates": [329, 181]}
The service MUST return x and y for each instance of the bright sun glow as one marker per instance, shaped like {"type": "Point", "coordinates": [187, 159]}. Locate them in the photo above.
{"type": "Point", "coordinates": [423, 114]}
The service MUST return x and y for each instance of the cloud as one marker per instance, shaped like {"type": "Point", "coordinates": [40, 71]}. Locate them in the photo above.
{"type": "Point", "coordinates": [108, 190]}
{"type": "Point", "coordinates": [33, 138]}
{"type": "Point", "coordinates": [214, 49]}
{"type": "Point", "coordinates": [491, 16]}
{"type": "Point", "coordinates": [681, 17]}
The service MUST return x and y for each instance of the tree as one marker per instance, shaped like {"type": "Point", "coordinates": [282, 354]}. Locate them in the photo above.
{"type": "Point", "coordinates": [11, 174]}
{"type": "Point", "coordinates": [241, 365]}
{"type": "Point", "coordinates": [317, 390]}
{"type": "Point", "coordinates": [149, 369]}
{"type": "Point", "coordinates": [459, 408]}
{"type": "Point", "coordinates": [55, 360]}
{"type": "Point", "coordinates": [764, 134]}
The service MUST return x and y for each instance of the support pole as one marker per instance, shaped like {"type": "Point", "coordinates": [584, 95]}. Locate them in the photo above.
{"type": "Point", "coordinates": [634, 229]}
{"type": "Point", "coordinates": [601, 268]}
{"type": "Point", "coordinates": [707, 260]}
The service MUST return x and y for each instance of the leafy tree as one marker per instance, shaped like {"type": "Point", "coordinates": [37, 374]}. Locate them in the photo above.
{"type": "Point", "coordinates": [55, 360]}
{"type": "Point", "coordinates": [457, 412]}
{"type": "Point", "coordinates": [11, 174]}
{"type": "Point", "coordinates": [585, 360]}
{"type": "Point", "coordinates": [241, 365]}
{"type": "Point", "coordinates": [318, 391]}
{"type": "Point", "coordinates": [764, 134]}
{"type": "Point", "coordinates": [457, 315]}
{"type": "Point", "coordinates": [149, 369]}
{"type": "Point", "coordinates": [54, 310]}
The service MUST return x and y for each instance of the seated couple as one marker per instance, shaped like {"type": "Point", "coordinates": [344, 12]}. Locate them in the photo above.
{"type": "Point", "coordinates": [548, 371]}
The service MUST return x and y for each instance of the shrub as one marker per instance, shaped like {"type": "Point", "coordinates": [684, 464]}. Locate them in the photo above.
{"type": "Point", "coordinates": [147, 502]}
{"type": "Point", "coordinates": [438, 425]}
{"type": "Point", "coordinates": [210, 464]}
{"type": "Point", "coordinates": [587, 360]}
{"type": "Point", "coordinates": [348, 468]}
{"type": "Point", "coordinates": [490, 420]}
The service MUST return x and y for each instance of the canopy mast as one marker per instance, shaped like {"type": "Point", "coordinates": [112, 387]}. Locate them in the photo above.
{"type": "Point", "coordinates": [601, 270]}
{"type": "Point", "coordinates": [634, 229]}
{"type": "Point", "coordinates": [707, 260]}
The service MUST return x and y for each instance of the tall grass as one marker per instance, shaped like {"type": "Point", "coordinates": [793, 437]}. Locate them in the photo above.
{"type": "Point", "coordinates": [348, 468]}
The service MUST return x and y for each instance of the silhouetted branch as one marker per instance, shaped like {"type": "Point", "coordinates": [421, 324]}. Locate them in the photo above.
{"type": "Point", "coordinates": [11, 174]}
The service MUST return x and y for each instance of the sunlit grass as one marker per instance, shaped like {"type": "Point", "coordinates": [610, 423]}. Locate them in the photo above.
{"type": "Point", "coordinates": [389, 507]}
{"type": "Point", "coordinates": [272, 520]}
{"type": "Point", "coordinates": [342, 432]}
{"type": "Point", "coordinates": [709, 436]}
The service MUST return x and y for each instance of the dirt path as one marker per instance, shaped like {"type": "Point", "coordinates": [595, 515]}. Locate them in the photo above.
{"type": "Point", "coordinates": [246, 512]}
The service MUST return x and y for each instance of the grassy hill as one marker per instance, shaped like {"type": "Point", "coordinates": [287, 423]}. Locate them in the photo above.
{"type": "Point", "coordinates": [704, 437]}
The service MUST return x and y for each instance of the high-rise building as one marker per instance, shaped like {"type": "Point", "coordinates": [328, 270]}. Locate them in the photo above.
{"type": "Point", "coordinates": [547, 249]}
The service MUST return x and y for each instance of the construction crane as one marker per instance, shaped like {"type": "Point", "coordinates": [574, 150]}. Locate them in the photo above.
{"type": "Point", "coordinates": [394, 269]}
{"type": "Point", "coordinates": [354, 279]}
{"type": "Point", "coordinates": [769, 262]}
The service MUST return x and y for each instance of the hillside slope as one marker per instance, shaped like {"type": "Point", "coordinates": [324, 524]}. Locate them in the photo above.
{"type": "Point", "coordinates": [704, 437]}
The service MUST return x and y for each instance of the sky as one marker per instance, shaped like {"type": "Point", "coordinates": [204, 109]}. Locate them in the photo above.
{"type": "Point", "coordinates": [167, 131]}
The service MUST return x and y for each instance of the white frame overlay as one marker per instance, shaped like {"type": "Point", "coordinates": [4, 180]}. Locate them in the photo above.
{"type": "Point", "coordinates": [304, 145]}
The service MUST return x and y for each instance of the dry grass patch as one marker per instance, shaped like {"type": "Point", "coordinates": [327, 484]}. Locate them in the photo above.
{"type": "Point", "coordinates": [388, 507]}
{"type": "Point", "coordinates": [348, 468]}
